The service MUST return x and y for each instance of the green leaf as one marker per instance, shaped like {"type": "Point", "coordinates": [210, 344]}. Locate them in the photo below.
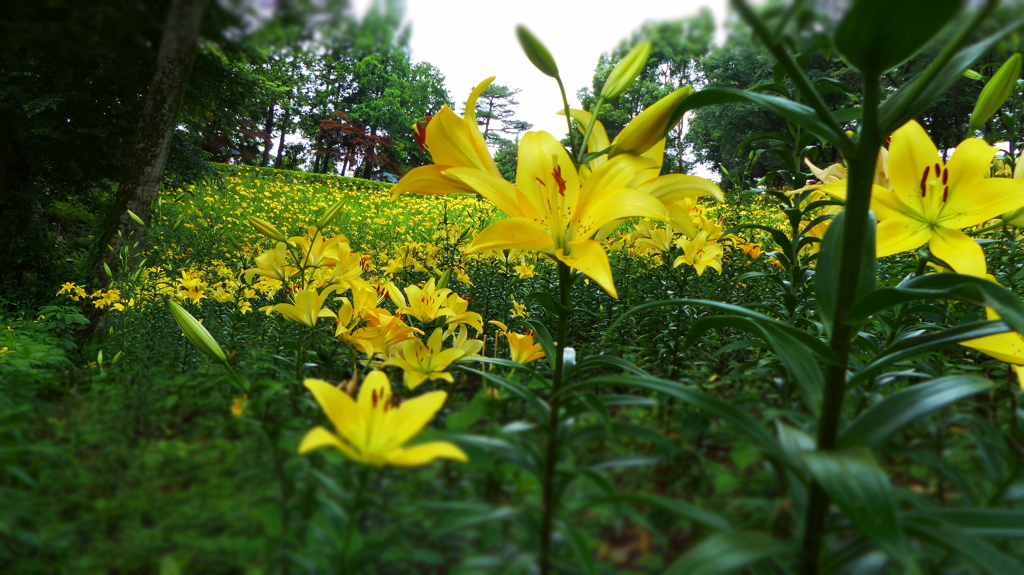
{"type": "Point", "coordinates": [794, 348]}
{"type": "Point", "coordinates": [971, 548]}
{"type": "Point", "coordinates": [985, 522]}
{"type": "Point", "coordinates": [762, 136]}
{"type": "Point", "coordinates": [604, 361]}
{"type": "Point", "coordinates": [680, 509]}
{"type": "Point", "coordinates": [826, 278]}
{"type": "Point", "coordinates": [967, 289]}
{"type": "Point", "coordinates": [908, 102]}
{"type": "Point", "coordinates": [924, 343]}
{"type": "Point", "coordinates": [858, 486]}
{"type": "Point", "coordinates": [709, 403]}
{"type": "Point", "coordinates": [799, 114]}
{"type": "Point", "coordinates": [878, 35]}
{"type": "Point", "coordinates": [579, 544]}
{"type": "Point", "coordinates": [901, 409]}
{"type": "Point", "coordinates": [728, 552]}
{"type": "Point", "coordinates": [819, 348]}
{"type": "Point", "coordinates": [515, 388]}
{"type": "Point", "coordinates": [778, 236]}
{"type": "Point", "coordinates": [548, 303]}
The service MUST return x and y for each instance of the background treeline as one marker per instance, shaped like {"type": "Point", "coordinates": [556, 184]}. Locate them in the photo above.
{"type": "Point", "coordinates": [307, 86]}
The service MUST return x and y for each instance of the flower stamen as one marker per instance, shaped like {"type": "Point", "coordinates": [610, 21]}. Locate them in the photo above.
{"type": "Point", "coordinates": [924, 182]}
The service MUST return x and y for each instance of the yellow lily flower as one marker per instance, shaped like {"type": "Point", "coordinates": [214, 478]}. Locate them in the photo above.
{"type": "Point", "coordinates": [452, 142]}
{"type": "Point", "coordinates": [308, 306]}
{"type": "Point", "coordinates": [658, 239]}
{"type": "Point", "coordinates": [372, 430]}
{"type": "Point", "coordinates": [701, 253]}
{"type": "Point", "coordinates": [551, 212]}
{"type": "Point", "coordinates": [272, 264]}
{"type": "Point", "coordinates": [459, 306]}
{"type": "Point", "coordinates": [425, 304]}
{"type": "Point", "coordinates": [422, 362]}
{"type": "Point", "coordinates": [931, 200]}
{"type": "Point", "coordinates": [522, 349]}
{"type": "Point", "coordinates": [670, 189]}
{"type": "Point", "coordinates": [381, 332]}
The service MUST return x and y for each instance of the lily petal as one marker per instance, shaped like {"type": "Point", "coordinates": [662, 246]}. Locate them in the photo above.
{"type": "Point", "coordinates": [615, 204]}
{"type": "Point", "coordinates": [677, 186]}
{"type": "Point", "coordinates": [429, 180]}
{"type": "Point", "coordinates": [494, 188]}
{"type": "Point", "coordinates": [426, 453]}
{"type": "Point", "coordinates": [413, 415]}
{"type": "Point", "coordinates": [518, 233]}
{"type": "Point", "coordinates": [969, 165]}
{"type": "Point", "coordinates": [887, 204]}
{"type": "Point", "coordinates": [344, 414]}
{"type": "Point", "coordinates": [958, 250]}
{"type": "Point", "coordinates": [981, 201]}
{"type": "Point", "coordinates": [900, 234]}
{"type": "Point", "coordinates": [589, 258]}
{"type": "Point", "coordinates": [910, 153]}
{"type": "Point", "coordinates": [1008, 347]}
{"type": "Point", "coordinates": [318, 438]}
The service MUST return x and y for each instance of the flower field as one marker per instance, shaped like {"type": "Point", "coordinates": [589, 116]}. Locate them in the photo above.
{"type": "Point", "coordinates": [599, 367]}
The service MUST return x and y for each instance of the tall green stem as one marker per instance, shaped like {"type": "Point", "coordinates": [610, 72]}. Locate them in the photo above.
{"type": "Point", "coordinates": [551, 457]}
{"type": "Point", "coordinates": [858, 202]}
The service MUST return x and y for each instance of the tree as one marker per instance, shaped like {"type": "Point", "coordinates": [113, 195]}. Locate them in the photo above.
{"type": "Point", "coordinates": [142, 178]}
{"type": "Point", "coordinates": [496, 116]}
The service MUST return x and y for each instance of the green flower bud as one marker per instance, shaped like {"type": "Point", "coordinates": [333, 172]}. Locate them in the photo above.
{"type": "Point", "coordinates": [536, 51]}
{"type": "Point", "coordinates": [266, 228]}
{"type": "Point", "coordinates": [137, 219]}
{"type": "Point", "coordinates": [196, 333]}
{"type": "Point", "coordinates": [995, 92]}
{"type": "Point", "coordinates": [331, 213]}
{"type": "Point", "coordinates": [626, 72]}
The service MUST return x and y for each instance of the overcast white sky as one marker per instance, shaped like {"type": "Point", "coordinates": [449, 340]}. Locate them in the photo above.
{"type": "Point", "coordinates": [469, 40]}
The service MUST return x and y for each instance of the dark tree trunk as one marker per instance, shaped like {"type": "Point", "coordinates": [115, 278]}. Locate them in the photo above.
{"type": "Point", "coordinates": [140, 183]}
{"type": "Point", "coordinates": [280, 143]}
{"type": "Point", "coordinates": [270, 140]}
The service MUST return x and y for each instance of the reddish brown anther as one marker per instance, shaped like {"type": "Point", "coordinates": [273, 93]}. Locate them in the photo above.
{"type": "Point", "coordinates": [924, 182]}
{"type": "Point", "coordinates": [558, 179]}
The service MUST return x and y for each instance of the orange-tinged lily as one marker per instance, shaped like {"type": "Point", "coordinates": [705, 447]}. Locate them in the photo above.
{"type": "Point", "coordinates": [373, 430]}
{"type": "Point", "coordinates": [932, 200]}
{"type": "Point", "coordinates": [452, 142]}
{"type": "Point", "coordinates": [550, 211]}
{"type": "Point", "coordinates": [522, 348]}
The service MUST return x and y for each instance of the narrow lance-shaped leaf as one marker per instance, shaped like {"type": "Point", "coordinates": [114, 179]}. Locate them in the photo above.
{"type": "Point", "coordinates": [729, 552]}
{"type": "Point", "coordinates": [901, 409]}
{"type": "Point", "coordinates": [878, 35]}
{"type": "Point", "coordinates": [826, 279]}
{"type": "Point", "coordinates": [858, 486]}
